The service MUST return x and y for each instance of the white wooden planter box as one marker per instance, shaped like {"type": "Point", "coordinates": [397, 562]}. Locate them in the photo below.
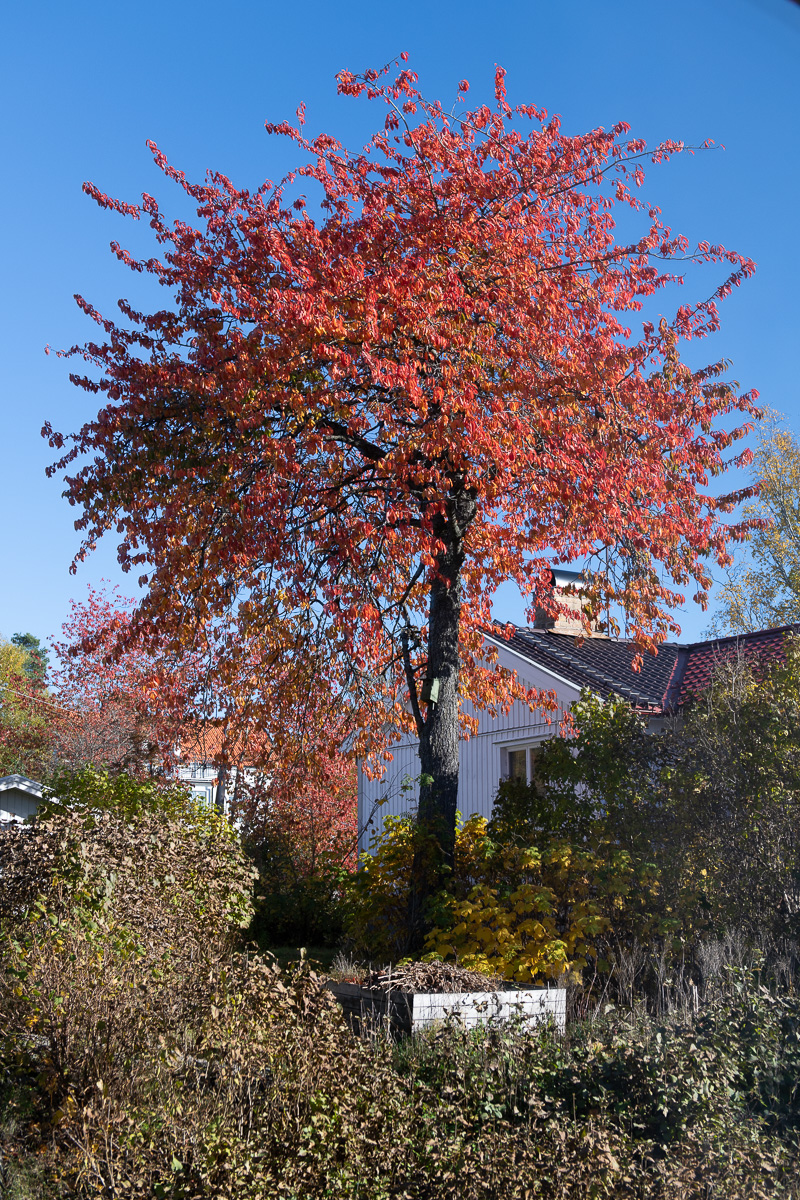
{"type": "Point", "coordinates": [409, 1011]}
{"type": "Point", "coordinates": [472, 1008]}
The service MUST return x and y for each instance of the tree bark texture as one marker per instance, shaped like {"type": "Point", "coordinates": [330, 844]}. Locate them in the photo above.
{"type": "Point", "coordinates": [438, 749]}
{"type": "Point", "coordinates": [439, 729]}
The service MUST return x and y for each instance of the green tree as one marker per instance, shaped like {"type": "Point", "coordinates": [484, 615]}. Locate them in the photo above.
{"type": "Point", "coordinates": [24, 737]}
{"type": "Point", "coordinates": [713, 800]}
{"type": "Point", "coordinates": [12, 662]}
{"type": "Point", "coordinates": [730, 784]}
{"type": "Point", "coordinates": [586, 785]}
{"type": "Point", "coordinates": [36, 657]}
{"type": "Point", "coordinates": [763, 588]}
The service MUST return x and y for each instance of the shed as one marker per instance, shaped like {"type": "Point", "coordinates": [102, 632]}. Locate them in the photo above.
{"type": "Point", "coordinates": [20, 797]}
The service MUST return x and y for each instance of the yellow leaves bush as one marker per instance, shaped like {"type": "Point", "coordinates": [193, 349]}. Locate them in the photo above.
{"type": "Point", "coordinates": [526, 913]}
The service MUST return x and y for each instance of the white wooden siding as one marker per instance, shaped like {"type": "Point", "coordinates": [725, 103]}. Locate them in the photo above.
{"type": "Point", "coordinates": [480, 757]}
{"type": "Point", "coordinates": [534, 1005]}
{"type": "Point", "coordinates": [20, 797]}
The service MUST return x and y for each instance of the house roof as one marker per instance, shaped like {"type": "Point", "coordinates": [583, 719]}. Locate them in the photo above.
{"type": "Point", "coordinates": [763, 646]}
{"type": "Point", "coordinates": [21, 783]}
{"type": "Point", "coordinates": [202, 745]}
{"type": "Point", "coordinates": [665, 681]}
{"type": "Point", "coordinates": [16, 784]}
{"type": "Point", "coordinates": [208, 744]}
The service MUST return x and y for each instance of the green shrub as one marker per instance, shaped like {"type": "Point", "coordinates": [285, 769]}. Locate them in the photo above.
{"type": "Point", "coordinates": [293, 906]}
{"type": "Point", "coordinates": [736, 1060]}
{"type": "Point", "coordinates": [713, 800]}
{"type": "Point", "coordinates": [94, 789]}
{"type": "Point", "coordinates": [377, 917]}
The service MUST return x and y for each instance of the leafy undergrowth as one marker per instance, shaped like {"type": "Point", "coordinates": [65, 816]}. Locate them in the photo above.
{"type": "Point", "coordinates": [143, 1054]}
{"type": "Point", "coordinates": [270, 1095]}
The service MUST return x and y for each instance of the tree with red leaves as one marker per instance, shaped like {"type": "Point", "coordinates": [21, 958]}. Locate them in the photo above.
{"type": "Point", "coordinates": [114, 705]}
{"type": "Point", "coordinates": [308, 801]}
{"type": "Point", "coordinates": [363, 410]}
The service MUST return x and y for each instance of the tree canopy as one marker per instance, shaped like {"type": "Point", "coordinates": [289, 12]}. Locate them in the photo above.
{"type": "Point", "coordinates": [36, 656]}
{"type": "Point", "coordinates": [23, 725]}
{"type": "Point", "coordinates": [387, 384]}
{"type": "Point", "coordinates": [763, 588]}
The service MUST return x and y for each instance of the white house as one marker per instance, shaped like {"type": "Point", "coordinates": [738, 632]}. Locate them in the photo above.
{"type": "Point", "coordinates": [199, 756]}
{"type": "Point", "coordinates": [551, 657]}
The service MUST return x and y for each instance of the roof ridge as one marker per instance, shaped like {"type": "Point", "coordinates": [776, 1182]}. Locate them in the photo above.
{"type": "Point", "coordinates": [794, 626]}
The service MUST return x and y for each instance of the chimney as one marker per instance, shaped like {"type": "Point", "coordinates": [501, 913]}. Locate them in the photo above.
{"type": "Point", "coordinates": [567, 591]}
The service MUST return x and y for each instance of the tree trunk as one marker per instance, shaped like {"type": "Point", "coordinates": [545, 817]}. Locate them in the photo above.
{"type": "Point", "coordinates": [439, 729]}
{"type": "Point", "coordinates": [222, 778]}
{"type": "Point", "coordinates": [438, 747]}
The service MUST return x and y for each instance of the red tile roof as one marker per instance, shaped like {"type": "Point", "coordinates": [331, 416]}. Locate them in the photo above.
{"type": "Point", "coordinates": [205, 744]}
{"type": "Point", "coordinates": [702, 658]}
{"type": "Point", "coordinates": [666, 680]}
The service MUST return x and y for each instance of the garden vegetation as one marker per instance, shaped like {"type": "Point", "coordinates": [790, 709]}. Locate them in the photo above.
{"type": "Point", "coordinates": [148, 1050]}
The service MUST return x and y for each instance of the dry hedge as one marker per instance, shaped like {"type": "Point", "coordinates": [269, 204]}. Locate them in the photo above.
{"type": "Point", "coordinates": [144, 1055]}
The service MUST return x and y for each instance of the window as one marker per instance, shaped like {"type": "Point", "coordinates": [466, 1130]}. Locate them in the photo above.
{"type": "Point", "coordinates": [519, 763]}
{"type": "Point", "coordinates": [204, 794]}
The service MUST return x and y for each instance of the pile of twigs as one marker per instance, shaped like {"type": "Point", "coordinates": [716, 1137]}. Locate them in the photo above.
{"type": "Point", "coordinates": [432, 977]}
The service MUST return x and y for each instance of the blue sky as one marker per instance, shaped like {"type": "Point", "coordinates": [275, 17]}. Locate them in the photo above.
{"type": "Point", "coordinates": [86, 83]}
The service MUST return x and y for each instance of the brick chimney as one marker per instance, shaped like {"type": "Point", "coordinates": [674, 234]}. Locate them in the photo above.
{"type": "Point", "coordinates": [567, 591]}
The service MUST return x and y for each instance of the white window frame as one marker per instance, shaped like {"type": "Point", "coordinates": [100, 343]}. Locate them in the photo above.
{"type": "Point", "coordinates": [527, 745]}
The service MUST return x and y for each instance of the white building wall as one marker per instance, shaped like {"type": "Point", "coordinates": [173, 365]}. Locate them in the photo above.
{"type": "Point", "coordinates": [20, 798]}
{"type": "Point", "coordinates": [203, 781]}
{"type": "Point", "coordinates": [482, 758]}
